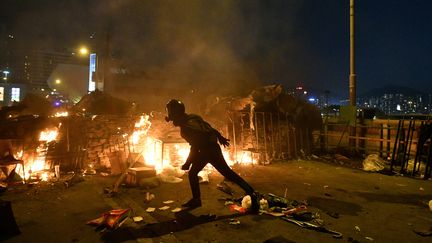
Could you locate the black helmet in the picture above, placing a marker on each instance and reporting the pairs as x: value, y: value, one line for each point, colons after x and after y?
x: 175, y: 109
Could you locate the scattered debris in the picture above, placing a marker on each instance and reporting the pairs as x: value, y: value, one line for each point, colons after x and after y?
x: 307, y: 184
x: 374, y: 163
x: 229, y: 203
x: 138, y: 219
x: 430, y: 205
x: 237, y: 208
x: 164, y: 208
x: 263, y: 204
x: 234, y: 221
x: 369, y: 238
x: 357, y: 228
x: 72, y: 179
x: 225, y: 188
x: 168, y: 201
x: 171, y: 174
x: 203, y: 177
x: 135, y: 175
x: 246, y: 202
x: 150, y: 209
x: 149, y: 196
x: 276, y: 201
x: 421, y: 189
x: 303, y: 216
x: 308, y: 225
x: 176, y: 210
x: 295, y: 210
x: 275, y: 214
x: 111, y: 219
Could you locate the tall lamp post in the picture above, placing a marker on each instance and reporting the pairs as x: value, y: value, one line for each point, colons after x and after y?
x: 352, y: 76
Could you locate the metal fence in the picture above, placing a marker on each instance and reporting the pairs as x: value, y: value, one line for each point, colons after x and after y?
x: 394, y: 140
x: 271, y: 136
x: 267, y: 135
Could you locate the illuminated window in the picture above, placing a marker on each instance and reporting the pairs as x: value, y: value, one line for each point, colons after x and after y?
x: 1, y: 93
x: 15, y: 94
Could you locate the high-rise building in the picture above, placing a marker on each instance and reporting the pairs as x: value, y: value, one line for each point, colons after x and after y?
x: 29, y: 70
x: 33, y: 67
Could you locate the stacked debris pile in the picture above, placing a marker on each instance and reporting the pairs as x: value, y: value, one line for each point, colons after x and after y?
x: 268, y: 121
x: 99, y: 103
x: 107, y: 141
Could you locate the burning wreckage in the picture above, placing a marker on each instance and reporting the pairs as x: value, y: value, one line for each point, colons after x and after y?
x: 107, y: 135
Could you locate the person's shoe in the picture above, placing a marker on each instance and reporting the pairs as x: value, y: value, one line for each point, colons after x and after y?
x: 255, y: 206
x: 193, y: 203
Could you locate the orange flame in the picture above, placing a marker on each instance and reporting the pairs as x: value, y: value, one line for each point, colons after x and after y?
x: 61, y: 114
x: 49, y: 135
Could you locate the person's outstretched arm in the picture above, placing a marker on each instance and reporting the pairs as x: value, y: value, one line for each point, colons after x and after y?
x: 222, y: 140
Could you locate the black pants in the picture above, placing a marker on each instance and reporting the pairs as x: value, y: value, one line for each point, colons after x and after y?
x: 212, y: 153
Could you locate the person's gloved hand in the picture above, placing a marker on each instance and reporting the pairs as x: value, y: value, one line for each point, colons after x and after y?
x: 185, y: 166
x: 224, y: 141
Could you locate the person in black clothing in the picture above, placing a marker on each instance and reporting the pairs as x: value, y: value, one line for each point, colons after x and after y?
x: 204, y: 149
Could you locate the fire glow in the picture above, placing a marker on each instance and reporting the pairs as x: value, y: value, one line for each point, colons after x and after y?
x: 61, y: 114
x: 49, y: 135
x: 36, y: 165
x: 160, y: 155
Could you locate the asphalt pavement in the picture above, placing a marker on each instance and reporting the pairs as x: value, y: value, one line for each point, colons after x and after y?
x: 362, y: 206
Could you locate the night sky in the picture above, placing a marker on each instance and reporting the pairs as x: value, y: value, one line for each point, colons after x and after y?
x: 210, y: 44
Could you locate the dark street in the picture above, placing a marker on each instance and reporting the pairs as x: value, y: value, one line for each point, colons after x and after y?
x: 358, y: 204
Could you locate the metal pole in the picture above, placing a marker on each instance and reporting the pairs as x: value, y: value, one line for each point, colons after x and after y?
x: 272, y: 135
x: 234, y: 139
x: 256, y: 131
x: 352, y: 75
x: 381, y: 144
x: 288, y: 136
x: 265, y: 137
x: 279, y: 135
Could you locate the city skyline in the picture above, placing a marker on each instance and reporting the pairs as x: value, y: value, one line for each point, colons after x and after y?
x: 250, y: 42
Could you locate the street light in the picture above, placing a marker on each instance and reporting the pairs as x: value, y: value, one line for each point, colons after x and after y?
x: 94, y: 81
x: 83, y: 51
x: 57, y: 81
